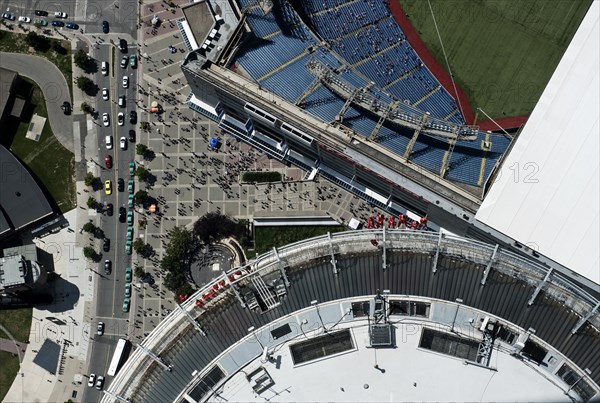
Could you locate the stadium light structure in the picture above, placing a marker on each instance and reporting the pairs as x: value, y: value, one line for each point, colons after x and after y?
x: 458, y: 302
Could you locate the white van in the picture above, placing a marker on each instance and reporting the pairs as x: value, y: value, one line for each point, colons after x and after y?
x: 109, y: 142
x: 104, y: 68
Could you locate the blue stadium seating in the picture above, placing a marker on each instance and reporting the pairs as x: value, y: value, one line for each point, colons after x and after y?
x: 290, y: 89
x: 323, y: 104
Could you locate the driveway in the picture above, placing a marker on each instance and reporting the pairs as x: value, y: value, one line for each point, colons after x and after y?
x: 54, y: 87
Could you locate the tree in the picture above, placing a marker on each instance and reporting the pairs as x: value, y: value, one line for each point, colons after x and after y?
x: 138, y: 271
x: 84, y: 83
x: 86, y: 107
x: 141, y: 149
x: 38, y: 42
x: 145, y: 126
x: 178, y: 257
x: 81, y: 59
x: 89, y: 227
x: 141, y: 197
x: 138, y: 245
x: 89, y: 252
x: 91, y: 203
x: 142, y: 173
x: 213, y: 227
x: 89, y: 179
x: 185, y: 289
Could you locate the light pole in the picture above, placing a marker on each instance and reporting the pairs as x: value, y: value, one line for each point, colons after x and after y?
x: 458, y: 302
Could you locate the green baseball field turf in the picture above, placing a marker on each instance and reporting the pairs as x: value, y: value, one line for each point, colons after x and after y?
x: 502, y: 52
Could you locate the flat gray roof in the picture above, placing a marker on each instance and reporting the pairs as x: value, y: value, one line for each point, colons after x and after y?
x: 21, y: 200
x: 12, y: 271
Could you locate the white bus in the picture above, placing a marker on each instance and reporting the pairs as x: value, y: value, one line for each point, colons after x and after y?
x: 117, y: 357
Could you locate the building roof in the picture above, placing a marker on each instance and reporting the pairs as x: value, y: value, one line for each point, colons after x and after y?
x: 7, y: 79
x: 547, y: 195
x: 22, y: 201
x: 12, y: 271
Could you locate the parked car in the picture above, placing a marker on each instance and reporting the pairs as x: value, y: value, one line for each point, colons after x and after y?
x: 66, y: 108
x: 128, y: 247
x: 132, y: 136
x: 100, y: 329
x: 105, y: 119
x: 133, y: 61
x: 105, y: 94
x: 104, y: 68
x: 120, y: 118
x: 108, y: 141
x: 72, y: 25
x: 108, y: 161
x: 130, y: 218
x: 60, y: 14
x: 125, y: 81
x: 108, y: 187
x: 8, y: 16
x: 109, y: 209
x: 56, y: 23
x: 130, y: 186
x: 106, y: 244
x: 127, y: 290
x: 122, y: 101
x: 124, y: 62
x: 100, y: 382
x: 24, y: 19
x: 107, y: 267
x: 131, y: 168
x: 128, y: 275
x: 126, y: 305
x: 123, y: 143
x: 133, y: 117
x: 105, y: 27
x: 91, y: 380
x: 122, y: 212
x: 130, y: 201
x: 40, y: 22
x: 123, y: 45
x: 130, y: 233
x: 120, y: 185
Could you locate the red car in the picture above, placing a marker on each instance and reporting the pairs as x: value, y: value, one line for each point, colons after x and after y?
x: 108, y: 161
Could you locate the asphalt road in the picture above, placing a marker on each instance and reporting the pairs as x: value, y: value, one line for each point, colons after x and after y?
x: 110, y: 290
x: 54, y: 87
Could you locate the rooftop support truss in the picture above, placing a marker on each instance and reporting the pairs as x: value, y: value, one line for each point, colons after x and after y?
x: 539, y: 288
x: 282, y: 264
x: 155, y: 358
x: 489, y: 265
x: 446, y: 164
x: 484, y: 351
x: 382, y: 119
x: 437, y: 252
x: 585, y: 318
x: 332, y: 254
x: 340, y: 116
x: 413, y: 140
x: 191, y: 319
x: 263, y: 291
x: 307, y: 91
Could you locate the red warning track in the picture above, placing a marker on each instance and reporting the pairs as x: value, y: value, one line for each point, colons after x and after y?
x: 443, y: 77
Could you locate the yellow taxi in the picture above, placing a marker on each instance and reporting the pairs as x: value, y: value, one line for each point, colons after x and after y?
x: 108, y: 187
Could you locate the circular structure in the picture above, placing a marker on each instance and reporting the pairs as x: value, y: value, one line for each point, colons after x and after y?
x: 422, y: 316
x: 214, y: 260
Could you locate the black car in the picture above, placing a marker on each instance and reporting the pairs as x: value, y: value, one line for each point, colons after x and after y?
x: 107, y: 267
x: 66, y: 107
x: 123, y: 45
x: 132, y: 136
x: 120, y: 185
x: 133, y: 117
x: 122, y: 213
x: 105, y: 27
x: 57, y: 23
x: 109, y: 209
x: 106, y: 246
x: 41, y: 13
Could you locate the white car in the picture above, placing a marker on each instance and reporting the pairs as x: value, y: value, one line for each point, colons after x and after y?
x: 105, y: 94
x: 125, y: 81
x: 123, y: 143
x: 91, y: 380
x: 24, y: 19
x: 100, y: 329
x: 121, y: 118
x: 100, y: 382
x: 108, y: 141
x: 59, y: 14
x: 105, y: 119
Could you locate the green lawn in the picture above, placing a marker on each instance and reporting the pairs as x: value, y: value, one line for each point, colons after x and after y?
x: 50, y: 162
x: 8, y: 371
x: 265, y: 238
x: 17, y: 322
x: 13, y: 42
x: 501, y: 52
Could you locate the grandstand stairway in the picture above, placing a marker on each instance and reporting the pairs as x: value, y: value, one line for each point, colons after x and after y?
x: 416, y: 104
x: 402, y: 76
